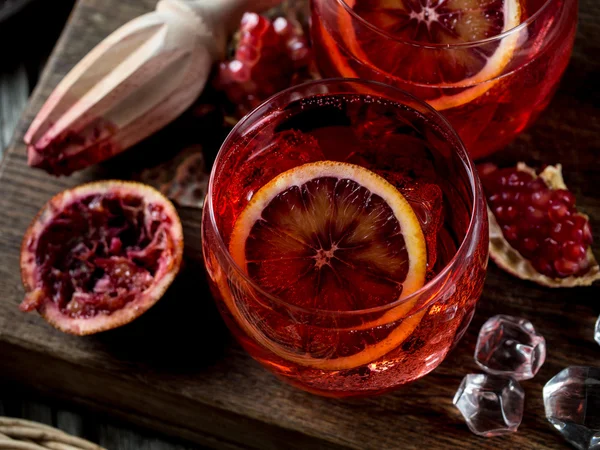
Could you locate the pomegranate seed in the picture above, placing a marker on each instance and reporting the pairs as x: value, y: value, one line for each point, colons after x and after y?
x: 575, y: 230
x: 516, y: 179
x: 530, y: 244
x: 511, y: 213
x: 521, y: 200
x: 550, y: 249
x: 558, y: 212
x: 540, y: 199
x: 563, y: 196
x: 535, y: 214
x: 510, y: 232
x: 556, y: 231
x: 526, y: 228
x: 569, y: 231
x: 537, y: 185
x: 486, y: 169
x: 494, y: 199
x: 573, y: 251
x: 576, y: 235
x: 249, y: 21
x: 541, y: 223
x: 541, y: 230
x: 508, y: 197
x: 503, y: 180
x: 542, y: 266
x: 281, y: 25
x: 579, y: 221
x: 247, y: 53
x: 505, y: 213
x: 565, y: 268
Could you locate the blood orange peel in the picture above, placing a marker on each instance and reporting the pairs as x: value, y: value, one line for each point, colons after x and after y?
x: 99, y: 255
x: 333, y: 237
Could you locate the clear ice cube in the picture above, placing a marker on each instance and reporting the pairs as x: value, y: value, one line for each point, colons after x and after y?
x: 427, y: 201
x: 491, y: 405
x: 510, y: 346
x: 597, y: 331
x: 572, y: 403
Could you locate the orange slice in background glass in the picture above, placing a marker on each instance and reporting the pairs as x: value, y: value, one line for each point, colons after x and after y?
x: 333, y: 236
x: 445, y: 77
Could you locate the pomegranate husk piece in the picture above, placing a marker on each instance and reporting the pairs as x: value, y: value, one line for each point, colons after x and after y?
x: 510, y: 260
x: 189, y: 185
x: 38, y: 296
x: 183, y: 179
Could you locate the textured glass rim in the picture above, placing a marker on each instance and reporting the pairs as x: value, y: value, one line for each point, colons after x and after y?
x: 468, y: 44
x: 464, y: 249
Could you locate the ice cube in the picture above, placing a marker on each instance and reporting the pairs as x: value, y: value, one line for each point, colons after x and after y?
x: 283, y: 151
x: 390, y: 139
x: 404, y: 154
x: 491, y: 405
x: 425, y: 198
x: 427, y: 202
x: 572, y: 404
x: 262, y: 159
x: 510, y: 346
x: 373, y: 121
x: 597, y: 331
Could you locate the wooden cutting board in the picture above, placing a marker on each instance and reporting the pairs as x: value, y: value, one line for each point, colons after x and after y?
x: 176, y: 369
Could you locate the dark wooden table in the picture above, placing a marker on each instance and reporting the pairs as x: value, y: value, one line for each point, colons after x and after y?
x: 421, y: 416
x: 20, y: 66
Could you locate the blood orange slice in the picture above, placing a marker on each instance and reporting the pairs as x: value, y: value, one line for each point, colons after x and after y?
x: 333, y: 236
x: 444, y: 76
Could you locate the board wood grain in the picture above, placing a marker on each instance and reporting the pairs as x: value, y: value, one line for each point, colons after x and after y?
x: 177, y: 370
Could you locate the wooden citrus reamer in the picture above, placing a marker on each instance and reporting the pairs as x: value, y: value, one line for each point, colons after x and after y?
x: 133, y: 83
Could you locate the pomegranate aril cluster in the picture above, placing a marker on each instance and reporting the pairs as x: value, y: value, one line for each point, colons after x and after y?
x: 540, y: 223
x: 270, y: 56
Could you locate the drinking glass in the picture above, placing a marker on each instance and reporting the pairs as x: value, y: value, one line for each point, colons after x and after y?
x: 367, y: 349
x: 487, y: 104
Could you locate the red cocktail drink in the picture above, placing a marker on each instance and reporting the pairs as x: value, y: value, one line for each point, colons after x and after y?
x: 490, y: 66
x: 345, y: 236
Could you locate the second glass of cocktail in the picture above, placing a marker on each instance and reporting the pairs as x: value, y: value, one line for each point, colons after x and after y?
x: 490, y: 66
x: 345, y: 236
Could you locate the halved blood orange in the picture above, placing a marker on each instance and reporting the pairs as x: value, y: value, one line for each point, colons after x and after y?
x: 333, y: 236
x: 445, y: 77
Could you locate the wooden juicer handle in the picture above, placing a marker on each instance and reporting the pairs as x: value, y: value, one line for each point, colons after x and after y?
x: 133, y: 83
